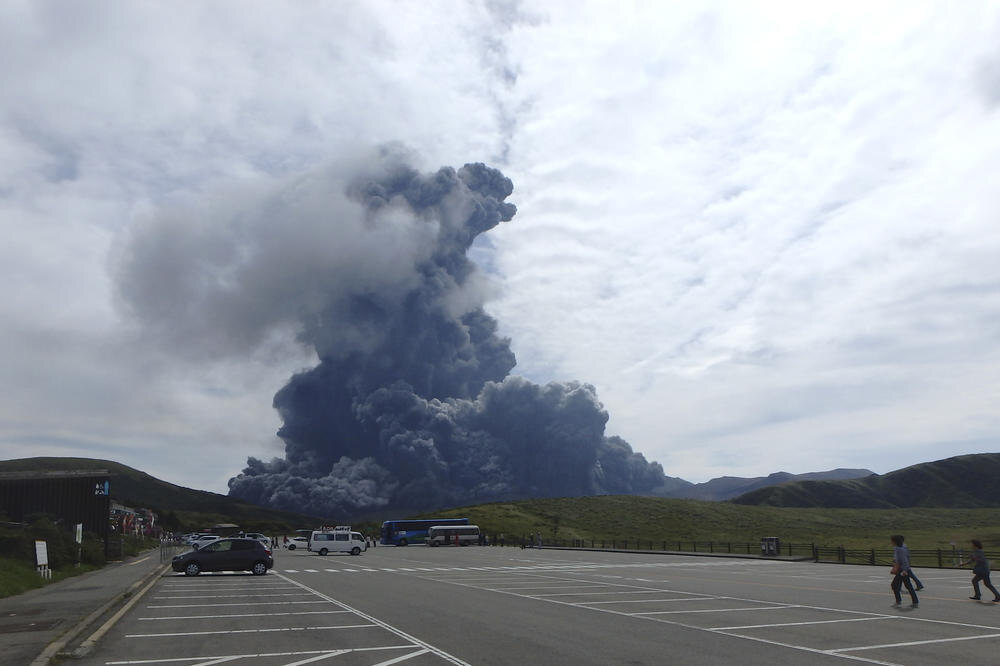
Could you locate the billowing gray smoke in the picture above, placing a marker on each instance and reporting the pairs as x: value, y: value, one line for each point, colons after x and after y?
x: 411, y: 406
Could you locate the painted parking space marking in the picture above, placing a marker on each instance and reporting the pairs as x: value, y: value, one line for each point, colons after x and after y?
x: 249, y: 631
x: 351, y: 623
x: 799, y: 624
x: 715, y: 610
x: 636, y: 601
x: 246, y: 594
x: 242, y: 605
x: 438, y: 652
x: 228, y: 615
x: 887, y: 646
x: 679, y: 617
x: 218, y: 659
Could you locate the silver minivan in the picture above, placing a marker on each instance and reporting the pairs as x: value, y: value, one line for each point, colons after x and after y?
x: 337, y: 541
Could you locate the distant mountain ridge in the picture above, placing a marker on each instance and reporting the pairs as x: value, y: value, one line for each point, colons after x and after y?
x: 728, y: 487
x: 967, y: 481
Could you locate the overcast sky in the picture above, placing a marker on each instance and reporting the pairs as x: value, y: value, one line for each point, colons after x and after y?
x: 766, y: 233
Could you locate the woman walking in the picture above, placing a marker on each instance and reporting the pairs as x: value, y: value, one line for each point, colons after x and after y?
x: 980, y: 571
x: 900, y: 570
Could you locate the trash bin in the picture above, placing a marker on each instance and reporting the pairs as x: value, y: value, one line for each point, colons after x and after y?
x: 770, y: 546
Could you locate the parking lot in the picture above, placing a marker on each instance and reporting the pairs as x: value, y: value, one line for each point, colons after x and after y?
x: 500, y: 605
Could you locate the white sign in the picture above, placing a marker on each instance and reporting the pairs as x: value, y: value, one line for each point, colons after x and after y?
x: 41, y: 554
x: 79, y: 532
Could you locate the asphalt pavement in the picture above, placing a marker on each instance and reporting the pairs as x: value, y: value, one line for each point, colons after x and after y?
x: 41, y: 623
x: 506, y: 605
x: 502, y: 605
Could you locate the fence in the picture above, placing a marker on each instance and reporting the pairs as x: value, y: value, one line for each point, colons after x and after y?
x: 929, y: 558
x: 170, y: 548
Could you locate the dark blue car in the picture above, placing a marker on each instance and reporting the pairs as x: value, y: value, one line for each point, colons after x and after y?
x: 226, y: 555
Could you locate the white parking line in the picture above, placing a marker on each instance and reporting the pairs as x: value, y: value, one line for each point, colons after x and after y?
x: 243, y: 605
x: 657, y: 617
x: 249, y: 631
x: 212, y: 617
x: 635, y: 601
x: 231, y: 657
x: 716, y: 610
x: 799, y: 624
x: 554, y: 587
x: 402, y: 634
x: 912, y: 643
x: 310, y: 660
x: 403, y: 658
x: 233, y: 596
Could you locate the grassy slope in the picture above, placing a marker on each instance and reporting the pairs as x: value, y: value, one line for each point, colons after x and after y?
x: 671, y: 520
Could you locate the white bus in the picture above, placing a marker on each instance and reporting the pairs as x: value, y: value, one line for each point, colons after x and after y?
x: 446, y: 535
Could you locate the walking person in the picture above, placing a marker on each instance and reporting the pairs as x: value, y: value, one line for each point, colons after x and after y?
x: 900, y: 571
x: 980, y: 571
x: 909, y: 569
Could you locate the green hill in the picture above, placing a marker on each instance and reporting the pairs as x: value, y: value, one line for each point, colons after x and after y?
x: 967, y: 481
x: 189, y: 509
x: 661, y: 520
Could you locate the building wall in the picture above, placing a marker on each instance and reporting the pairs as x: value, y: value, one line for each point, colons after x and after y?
x: 71, y: 499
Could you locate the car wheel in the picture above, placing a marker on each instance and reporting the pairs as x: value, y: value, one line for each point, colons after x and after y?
x: 323, y: 551
x: 259, y: 568
x: 355, y: 551
x: 402, y: 542
x: 192, y: 569
x: 291, y: 547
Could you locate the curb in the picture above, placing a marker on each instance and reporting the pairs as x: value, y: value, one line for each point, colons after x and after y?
x: 57, y: 647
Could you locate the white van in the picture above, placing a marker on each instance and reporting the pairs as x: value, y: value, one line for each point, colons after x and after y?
x: 338, y: 540
x: 448, y: 535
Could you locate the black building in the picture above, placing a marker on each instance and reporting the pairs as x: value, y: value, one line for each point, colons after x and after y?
x: 71, y: 496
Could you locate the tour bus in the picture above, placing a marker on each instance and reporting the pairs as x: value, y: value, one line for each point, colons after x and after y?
x: 404, y: 532
x: 449, y: 535
x: 338, y: 540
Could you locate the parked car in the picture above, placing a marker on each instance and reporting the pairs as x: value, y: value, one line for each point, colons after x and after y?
x: 298, y: 542
x: 266, y: 540
x: 231, y: 554
x: 202, y: 539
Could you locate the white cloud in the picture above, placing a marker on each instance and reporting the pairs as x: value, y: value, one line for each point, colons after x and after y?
x: 764, y: 232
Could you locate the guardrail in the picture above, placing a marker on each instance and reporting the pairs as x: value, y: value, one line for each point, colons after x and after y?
x: 940, y: 558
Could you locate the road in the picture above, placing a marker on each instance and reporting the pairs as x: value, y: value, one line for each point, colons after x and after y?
x: 475, y: 605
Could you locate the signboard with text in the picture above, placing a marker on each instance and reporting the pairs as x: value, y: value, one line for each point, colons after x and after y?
x: 41, y: 554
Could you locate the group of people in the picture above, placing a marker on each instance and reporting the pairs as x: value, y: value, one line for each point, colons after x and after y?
x: 903, y: 573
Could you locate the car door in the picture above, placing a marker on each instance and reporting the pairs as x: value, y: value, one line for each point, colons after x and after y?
x: 244, y: 553
x: 217, y: 556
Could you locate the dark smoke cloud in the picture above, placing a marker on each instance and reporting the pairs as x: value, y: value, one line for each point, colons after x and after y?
x: 412, y: 405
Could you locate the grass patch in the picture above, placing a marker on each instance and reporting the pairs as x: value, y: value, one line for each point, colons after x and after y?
x: 649, y: 518
x: 17, y: 576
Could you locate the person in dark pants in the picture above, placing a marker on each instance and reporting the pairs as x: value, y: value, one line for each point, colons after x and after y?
x: 900, y: 570
x: 980, y: 571
x: 909, y: 570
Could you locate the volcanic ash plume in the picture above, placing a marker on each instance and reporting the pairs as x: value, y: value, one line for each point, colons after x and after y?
x: 411, y: 406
